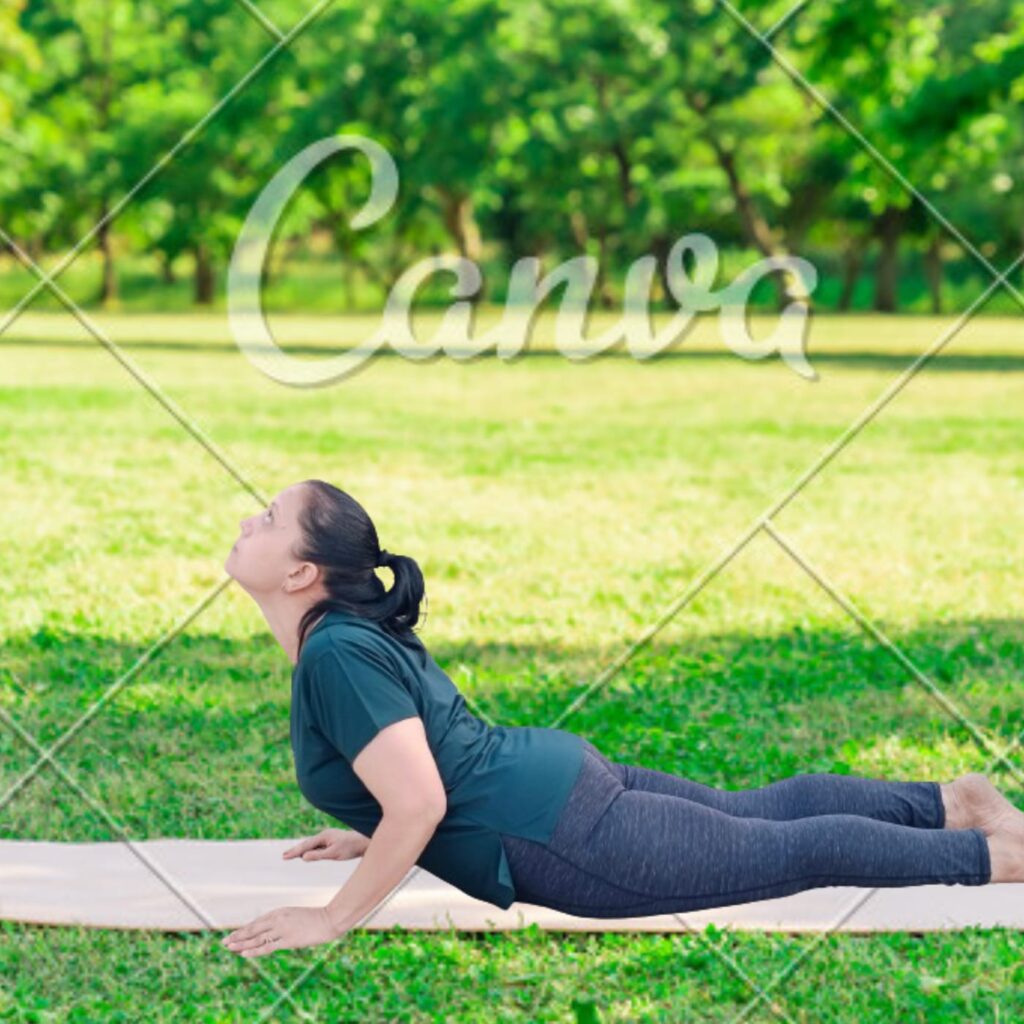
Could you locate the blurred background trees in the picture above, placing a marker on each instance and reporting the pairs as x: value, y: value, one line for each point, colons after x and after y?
x: 547, y: 128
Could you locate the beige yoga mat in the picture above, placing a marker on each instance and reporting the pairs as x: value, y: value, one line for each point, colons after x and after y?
x: 191, y: 885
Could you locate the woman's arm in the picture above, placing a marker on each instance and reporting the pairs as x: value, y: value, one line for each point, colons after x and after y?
x: 398, y: 768
x: 395, y: 847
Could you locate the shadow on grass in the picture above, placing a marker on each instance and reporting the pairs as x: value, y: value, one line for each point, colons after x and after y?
x: 201, y: 741
x: 963, y: 362
x: 198, y: 744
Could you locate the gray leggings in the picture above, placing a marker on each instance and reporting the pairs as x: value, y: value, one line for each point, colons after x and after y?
x: 633, y: 841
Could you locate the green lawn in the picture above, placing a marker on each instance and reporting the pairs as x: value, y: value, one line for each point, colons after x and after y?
x: 557, y: 510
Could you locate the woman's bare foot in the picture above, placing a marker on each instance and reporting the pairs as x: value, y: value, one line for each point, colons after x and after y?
x: 1006, y: 850
x: 971, y: 801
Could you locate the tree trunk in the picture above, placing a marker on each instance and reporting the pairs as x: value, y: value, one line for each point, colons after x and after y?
x: 167, y: 275
x: 604, y: 293
x: 889, y: 227
x: 460, y: 223
x: 580, y: 229
x: 660, y: 248
x: 625, y: 169
x: 756, y: 227
x: 618, y: 147
x: 203, y: 280
x: 108, y: 283
x: 933, y: 272
x: 853, y: 260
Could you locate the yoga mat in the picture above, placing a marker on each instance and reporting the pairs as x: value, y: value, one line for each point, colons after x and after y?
x: 222, y: 884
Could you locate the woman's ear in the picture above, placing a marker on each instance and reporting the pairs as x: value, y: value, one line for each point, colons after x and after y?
x: 303, y: 575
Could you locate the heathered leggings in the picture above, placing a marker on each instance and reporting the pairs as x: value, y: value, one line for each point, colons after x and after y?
x: 633, y: 841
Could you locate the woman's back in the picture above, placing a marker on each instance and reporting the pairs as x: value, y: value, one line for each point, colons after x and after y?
x: 353, y: 679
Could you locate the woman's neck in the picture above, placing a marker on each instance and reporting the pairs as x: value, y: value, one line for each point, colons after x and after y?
x: 283, y: 620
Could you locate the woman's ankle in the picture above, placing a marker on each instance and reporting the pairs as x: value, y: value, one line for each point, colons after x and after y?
x: 957, y: 810
x: 1006, y: 856
x: 971, y: 801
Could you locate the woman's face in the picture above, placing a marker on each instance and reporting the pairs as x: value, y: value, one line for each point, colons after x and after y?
x: 261, y: 559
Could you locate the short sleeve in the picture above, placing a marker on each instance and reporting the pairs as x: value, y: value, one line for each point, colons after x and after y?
x: 353, y: 693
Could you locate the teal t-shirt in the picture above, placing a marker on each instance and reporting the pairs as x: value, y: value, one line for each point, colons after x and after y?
x: 353, y: 679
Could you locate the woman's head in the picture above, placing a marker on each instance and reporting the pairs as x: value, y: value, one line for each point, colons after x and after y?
x: 316, y: 542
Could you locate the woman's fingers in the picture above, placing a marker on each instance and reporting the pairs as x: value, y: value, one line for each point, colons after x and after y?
x: 249, y: 938
x: 247, y: 931
x: 325, y: 845
x: 300, y: 848
x: 317, y: 853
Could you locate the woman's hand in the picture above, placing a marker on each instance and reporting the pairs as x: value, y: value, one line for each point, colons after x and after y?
x: 331, y: 844
x: 284, y: 928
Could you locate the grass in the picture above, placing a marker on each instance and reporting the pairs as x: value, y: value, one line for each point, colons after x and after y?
x: 557, y: 510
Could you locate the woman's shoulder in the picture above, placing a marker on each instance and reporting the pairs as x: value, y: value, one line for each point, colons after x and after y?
x: 348, y: 636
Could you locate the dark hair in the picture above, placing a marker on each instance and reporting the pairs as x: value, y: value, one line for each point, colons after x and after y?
x: 340, y: 537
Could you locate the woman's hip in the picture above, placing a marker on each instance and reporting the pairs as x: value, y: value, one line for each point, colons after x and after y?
x: 537, y: 867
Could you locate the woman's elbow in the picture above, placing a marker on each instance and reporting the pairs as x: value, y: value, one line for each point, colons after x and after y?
x: 428, y: 810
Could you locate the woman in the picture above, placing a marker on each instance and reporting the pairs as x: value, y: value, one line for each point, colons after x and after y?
x: 383, y: 742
